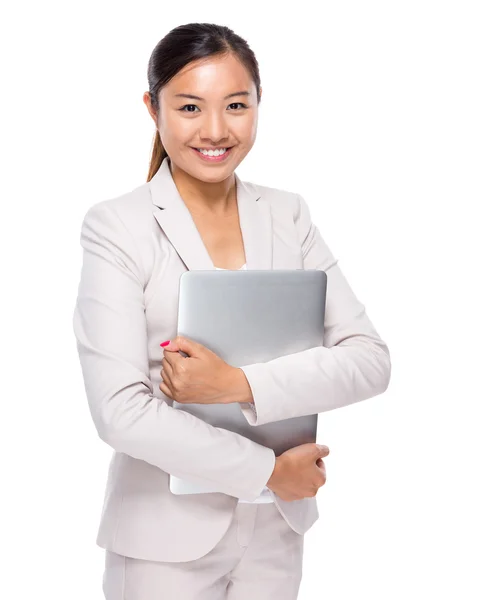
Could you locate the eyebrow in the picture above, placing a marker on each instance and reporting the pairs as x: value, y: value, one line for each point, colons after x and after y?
x: 244, y: 93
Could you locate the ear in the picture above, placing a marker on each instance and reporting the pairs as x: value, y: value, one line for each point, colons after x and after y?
x: 146, y: 98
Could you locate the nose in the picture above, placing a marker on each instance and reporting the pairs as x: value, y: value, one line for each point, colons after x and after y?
x: 213, y: 128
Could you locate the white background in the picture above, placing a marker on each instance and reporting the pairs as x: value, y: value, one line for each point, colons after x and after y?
x: 371, y: 106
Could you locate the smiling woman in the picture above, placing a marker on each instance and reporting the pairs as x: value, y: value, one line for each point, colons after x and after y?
x: 203, y: 97
x: 207, y: 138
x: 245, y: 539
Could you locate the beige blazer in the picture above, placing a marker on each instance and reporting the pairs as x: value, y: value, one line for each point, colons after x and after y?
x: 135, y: 247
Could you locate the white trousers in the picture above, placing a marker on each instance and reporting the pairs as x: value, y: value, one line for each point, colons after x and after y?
x: 259, y: 558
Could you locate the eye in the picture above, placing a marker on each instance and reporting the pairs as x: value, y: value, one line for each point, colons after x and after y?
x: 183, y: 108
x: 186, y: 105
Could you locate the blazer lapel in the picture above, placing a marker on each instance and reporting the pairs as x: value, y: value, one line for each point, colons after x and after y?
x: 176, y: 221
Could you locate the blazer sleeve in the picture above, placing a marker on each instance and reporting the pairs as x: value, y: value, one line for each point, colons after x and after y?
x: 111, y: 336
x: 352, y: 365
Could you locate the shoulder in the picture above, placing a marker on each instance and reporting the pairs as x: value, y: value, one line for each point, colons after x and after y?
x: 281, y: 200
x: 124, y: 223
x: 132, y: 208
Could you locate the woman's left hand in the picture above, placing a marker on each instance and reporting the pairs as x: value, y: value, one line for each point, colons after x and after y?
x: 201, y: 378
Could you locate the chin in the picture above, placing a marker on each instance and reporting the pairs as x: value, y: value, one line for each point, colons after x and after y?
x: 216, y: 177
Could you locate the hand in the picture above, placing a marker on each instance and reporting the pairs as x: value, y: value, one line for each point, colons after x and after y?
x: 299, y: 472
x: 200, y: 378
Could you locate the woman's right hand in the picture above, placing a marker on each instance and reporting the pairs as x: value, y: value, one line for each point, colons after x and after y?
x: 299, y: 472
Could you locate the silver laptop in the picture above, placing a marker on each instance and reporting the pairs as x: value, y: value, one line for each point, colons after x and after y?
x: 250, y: 317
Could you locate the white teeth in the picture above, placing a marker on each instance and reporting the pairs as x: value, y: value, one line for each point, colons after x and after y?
x: 213, y: 152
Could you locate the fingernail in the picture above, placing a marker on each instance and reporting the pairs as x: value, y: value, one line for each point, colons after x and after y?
x: 165, y: 343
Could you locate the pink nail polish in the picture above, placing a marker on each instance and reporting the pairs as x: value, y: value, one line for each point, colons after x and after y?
x: 165, y: 343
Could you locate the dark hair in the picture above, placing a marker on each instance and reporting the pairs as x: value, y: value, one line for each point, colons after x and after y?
x: 183, y: 45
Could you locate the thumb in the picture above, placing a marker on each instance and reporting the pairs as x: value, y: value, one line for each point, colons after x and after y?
x: 322, y: 450
x: 185, y: 344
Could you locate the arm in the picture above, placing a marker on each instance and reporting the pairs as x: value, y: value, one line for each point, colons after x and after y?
x: 353, y: 364
x: 111, y: 334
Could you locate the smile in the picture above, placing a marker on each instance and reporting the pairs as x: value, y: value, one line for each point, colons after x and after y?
x: 217, y: 155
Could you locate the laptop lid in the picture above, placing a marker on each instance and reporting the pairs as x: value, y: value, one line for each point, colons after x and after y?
x: 248, y: 317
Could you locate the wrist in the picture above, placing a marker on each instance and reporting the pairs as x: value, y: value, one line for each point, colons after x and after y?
x: 276, y: 473
x: 240, y: 390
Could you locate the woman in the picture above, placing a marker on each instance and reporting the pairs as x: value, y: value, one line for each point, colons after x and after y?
x: 246, y: 540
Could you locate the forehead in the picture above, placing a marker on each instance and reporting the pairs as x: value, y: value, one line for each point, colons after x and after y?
x: 214, y: 76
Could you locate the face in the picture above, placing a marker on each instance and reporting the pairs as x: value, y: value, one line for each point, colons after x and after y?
x: 216, y: 118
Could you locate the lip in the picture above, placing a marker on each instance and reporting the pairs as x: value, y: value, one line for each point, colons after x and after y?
x: 213, y: 159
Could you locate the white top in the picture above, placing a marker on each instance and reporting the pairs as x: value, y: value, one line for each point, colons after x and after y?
x: 265, y: 496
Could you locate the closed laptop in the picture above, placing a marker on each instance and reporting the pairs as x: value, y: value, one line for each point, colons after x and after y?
x: 250, y: 317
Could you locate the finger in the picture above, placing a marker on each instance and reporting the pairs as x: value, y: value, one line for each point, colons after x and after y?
x: 165, y: 390
x: 321, y: 464
x: 172, y: 358
x: 322, y: 450
x: 169, y: 355
x: 168, y: 367
x: 167, y: 377
x: 188, y: 346
x: 171, y: 349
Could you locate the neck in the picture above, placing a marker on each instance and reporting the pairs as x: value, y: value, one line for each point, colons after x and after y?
x: 214, y: 198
